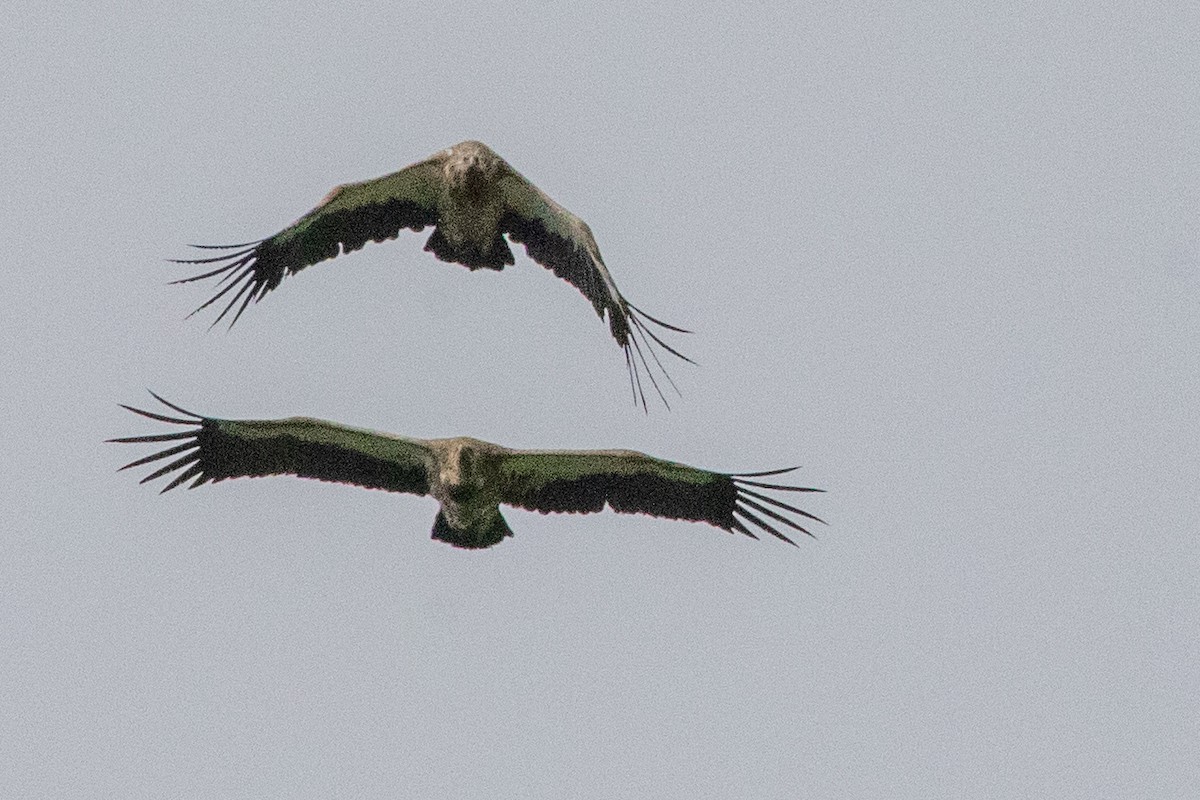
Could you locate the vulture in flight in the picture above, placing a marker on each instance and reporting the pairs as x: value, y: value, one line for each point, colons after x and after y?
x: 472, y: 198
x: 468, y: 477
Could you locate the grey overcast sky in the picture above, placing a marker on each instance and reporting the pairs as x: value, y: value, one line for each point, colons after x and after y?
x: 944, y: 255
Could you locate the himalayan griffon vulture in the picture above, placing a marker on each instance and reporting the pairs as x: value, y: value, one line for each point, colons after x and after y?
x: 468, y: 477
x: 472, y: 198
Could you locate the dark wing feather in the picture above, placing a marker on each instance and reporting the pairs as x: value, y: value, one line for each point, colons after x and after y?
x: 213, y: 450
x: 564, y: 244
x: 349, y: 217
x: 634, y: 483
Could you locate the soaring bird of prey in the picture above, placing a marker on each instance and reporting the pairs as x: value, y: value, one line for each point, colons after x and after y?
x: 472, y: 198
x: 468, y: 477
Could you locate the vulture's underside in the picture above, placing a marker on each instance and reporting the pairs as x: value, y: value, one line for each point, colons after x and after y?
x: 473, y: 199
x: 469, y: 478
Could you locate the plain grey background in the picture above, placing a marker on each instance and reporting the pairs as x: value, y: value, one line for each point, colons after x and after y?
x: 944, y: 255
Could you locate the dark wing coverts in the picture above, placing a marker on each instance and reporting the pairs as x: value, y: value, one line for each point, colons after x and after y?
x: 212, y: 450
x: 634, y: 483
x: 349, y: 217
x: 564, y: 244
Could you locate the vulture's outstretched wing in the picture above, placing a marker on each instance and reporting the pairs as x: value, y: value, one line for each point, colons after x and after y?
x: 634, y: 483
x: 563, y: 243
x: 473, y: 198
x: 350, y: 216
x: 216, y: 449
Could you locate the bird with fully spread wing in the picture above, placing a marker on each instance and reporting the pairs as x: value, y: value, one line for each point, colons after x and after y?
x: 468, y: 477
x: 472, y: 198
